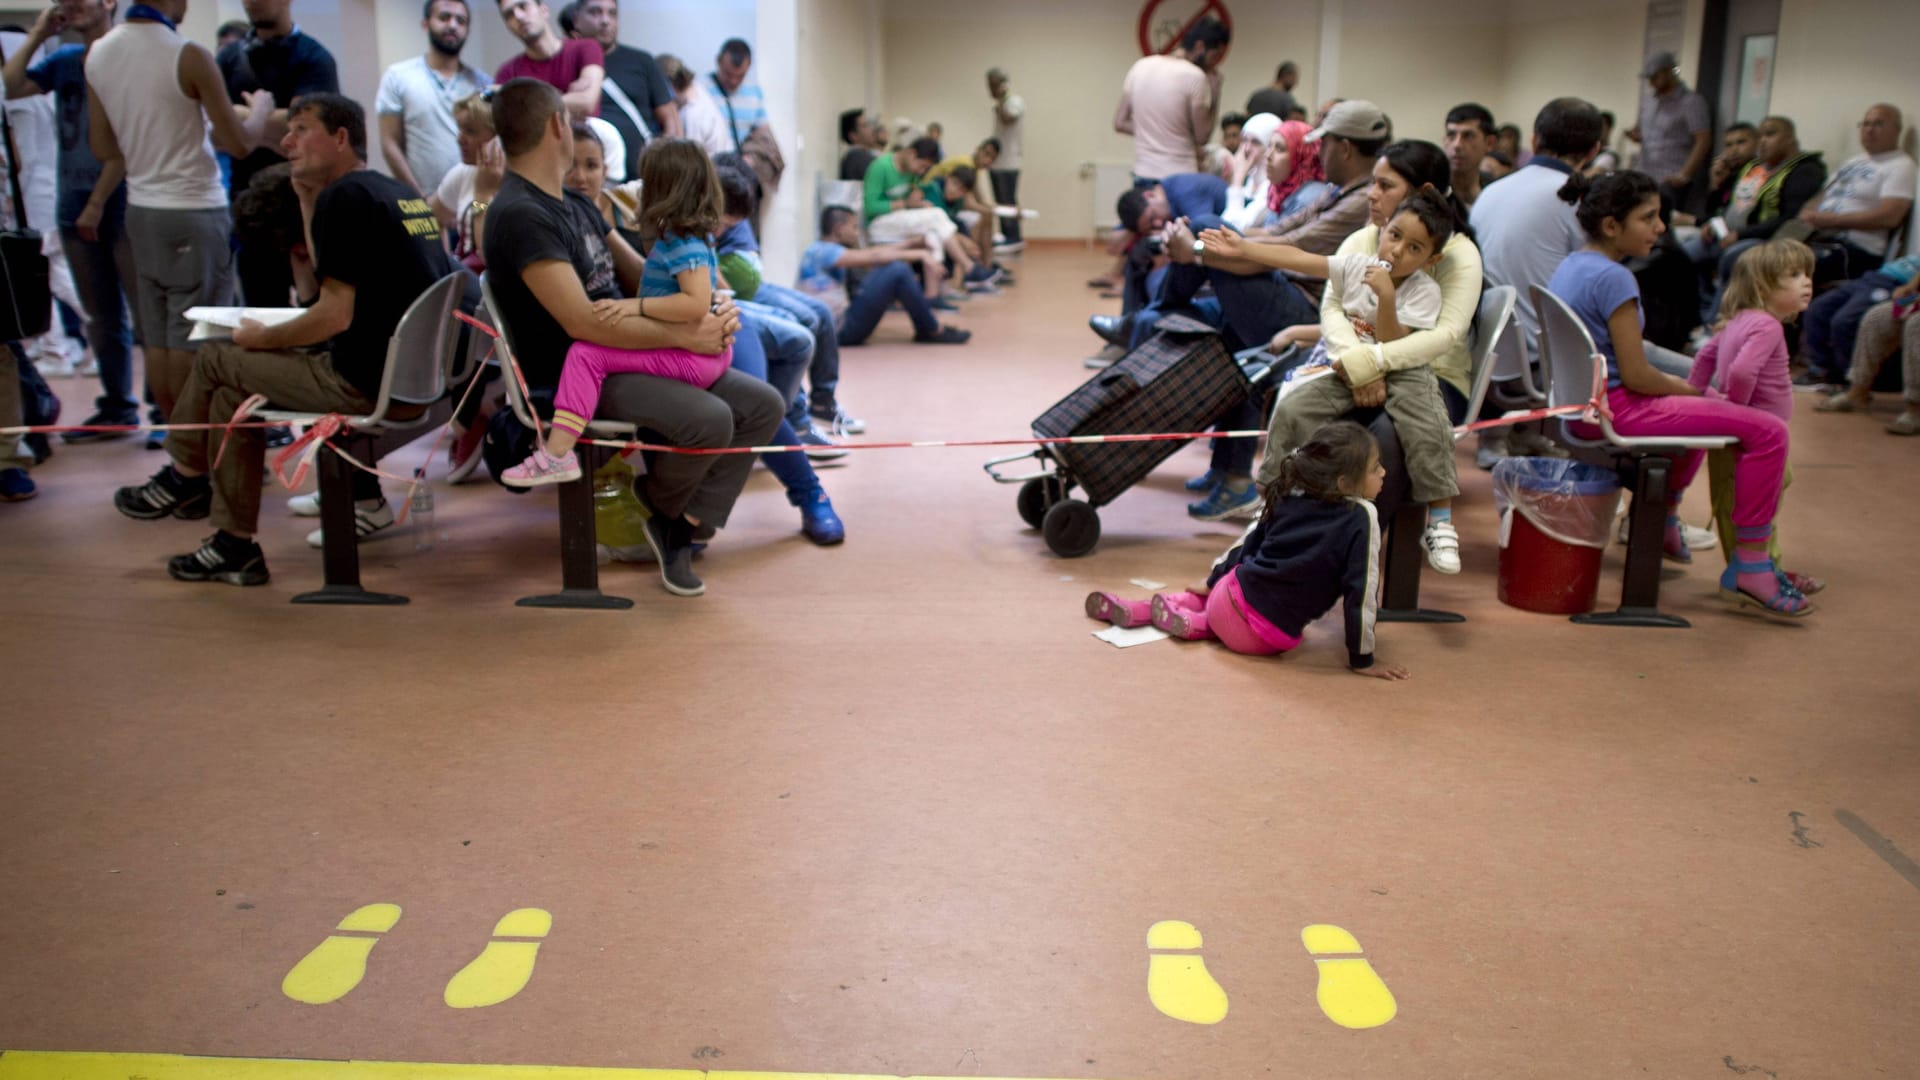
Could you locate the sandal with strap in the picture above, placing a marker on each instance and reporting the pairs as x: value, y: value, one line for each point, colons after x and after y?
x: 1787, y: 601
x: 1673, y: 546
x: 1807, y: 585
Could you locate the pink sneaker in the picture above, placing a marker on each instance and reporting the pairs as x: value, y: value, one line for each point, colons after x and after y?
x: 1171, y: 617
x: 1108, y: 607
x: 541, y: 469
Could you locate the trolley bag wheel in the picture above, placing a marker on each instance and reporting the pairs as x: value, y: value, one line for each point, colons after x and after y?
x: 1071, y: 528
x: 1036, y: 495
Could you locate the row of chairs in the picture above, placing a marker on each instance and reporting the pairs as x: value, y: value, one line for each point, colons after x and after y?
x: 424, y: 359
x: 1569, y: 366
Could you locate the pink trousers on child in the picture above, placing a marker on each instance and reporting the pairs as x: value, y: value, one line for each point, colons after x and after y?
x: 1760, y: 461
x: 589, y: 365
x: 1223, y: 614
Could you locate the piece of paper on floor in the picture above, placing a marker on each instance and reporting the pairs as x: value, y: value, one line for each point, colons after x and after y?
x: 1066, y: 577
x: 1148, y: 584
x: 1123, y: 638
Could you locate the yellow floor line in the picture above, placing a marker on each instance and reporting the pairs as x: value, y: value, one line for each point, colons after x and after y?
x: 64, y: 1065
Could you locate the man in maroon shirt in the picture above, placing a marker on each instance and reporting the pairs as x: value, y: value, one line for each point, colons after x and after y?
x: 576, y: 68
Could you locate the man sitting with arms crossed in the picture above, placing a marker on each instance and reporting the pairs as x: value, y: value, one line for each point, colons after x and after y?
x: 375, y: 248
x: 555, y: 267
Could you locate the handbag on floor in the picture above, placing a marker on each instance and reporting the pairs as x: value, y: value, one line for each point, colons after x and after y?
x: 26, y: 290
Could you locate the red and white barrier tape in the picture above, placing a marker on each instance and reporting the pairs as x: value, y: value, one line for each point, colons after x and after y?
x: 320, y: 433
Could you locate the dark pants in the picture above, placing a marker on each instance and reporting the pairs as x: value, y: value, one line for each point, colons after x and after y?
x: 103, y: 275
x: 738, y: 410
x: 1832, y: 322
x: 882, y: 288
x: 1006, y: 192
x: 1837, y: 260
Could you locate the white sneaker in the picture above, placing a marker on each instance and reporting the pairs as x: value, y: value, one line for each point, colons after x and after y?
x: 1443, y: 547
x: 370, y: 517
x: 1697, y: 538
x: 307, y: 505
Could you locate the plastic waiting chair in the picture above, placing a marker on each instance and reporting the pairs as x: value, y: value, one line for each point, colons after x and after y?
x: 418, y: 356
x: 579, y: 560
x: 1491, y: 327
x: 1644, y: 463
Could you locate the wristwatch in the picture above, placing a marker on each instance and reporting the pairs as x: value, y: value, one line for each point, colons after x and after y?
x: 1199, y: 252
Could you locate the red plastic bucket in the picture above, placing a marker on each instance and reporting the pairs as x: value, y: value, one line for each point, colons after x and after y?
x: 1539, y: 573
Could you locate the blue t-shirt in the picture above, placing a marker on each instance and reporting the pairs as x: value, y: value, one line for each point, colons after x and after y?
x: 673, y: 255
x: 738, y: 239
x: 1595, y: 286
x: 818, y: 274
x: 63, y: 74
x: 1195, y: 195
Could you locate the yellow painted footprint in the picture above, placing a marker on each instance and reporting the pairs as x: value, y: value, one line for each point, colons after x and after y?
x: 503, y: 967
x: 336, y: 965
x: 1351, y: 993
x: 1178, y: 983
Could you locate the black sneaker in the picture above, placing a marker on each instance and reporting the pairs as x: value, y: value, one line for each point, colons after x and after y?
x: 167, y: 494
x: 222, y: 558
x: 672, y: 542
x: 947, y: 335
x: 278, y: 436
x: 100, y: 419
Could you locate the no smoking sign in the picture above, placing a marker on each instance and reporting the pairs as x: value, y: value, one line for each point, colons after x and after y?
x: 1164, y: 22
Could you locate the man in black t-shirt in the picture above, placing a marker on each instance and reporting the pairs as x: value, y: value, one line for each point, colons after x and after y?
x: 635, y: 97
x: 554, y: 265
x: 376, y: 246
x: 278, y: 58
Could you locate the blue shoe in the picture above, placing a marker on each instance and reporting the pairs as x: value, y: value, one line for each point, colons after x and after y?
x: 1205, y: 482
x: 817, y: 519
x: 16, y: 486
x: 1223, y: 503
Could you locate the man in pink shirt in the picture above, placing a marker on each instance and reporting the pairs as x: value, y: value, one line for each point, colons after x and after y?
x: 576, y: 68
x: 1168, y: 104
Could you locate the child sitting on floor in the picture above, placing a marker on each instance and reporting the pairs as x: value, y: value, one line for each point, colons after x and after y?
x: 681, y: 206
x: 1747, y: 360
x: 1387, y: 296
x: 1317, y: 542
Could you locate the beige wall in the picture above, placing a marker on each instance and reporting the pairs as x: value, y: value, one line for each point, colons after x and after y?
x: 1066, y: 59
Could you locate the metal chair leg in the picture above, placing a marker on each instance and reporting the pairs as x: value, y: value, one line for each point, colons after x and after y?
x: 579, y: 562
x: 1646, y: 533
x: 340, y: 549
x: 1405, y: 553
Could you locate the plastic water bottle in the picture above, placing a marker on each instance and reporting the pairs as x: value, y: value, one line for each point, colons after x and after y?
x: 421, y: 510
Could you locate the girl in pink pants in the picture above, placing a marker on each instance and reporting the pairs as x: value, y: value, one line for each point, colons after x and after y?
x: 1621, y: 215
x: 1317, y: 545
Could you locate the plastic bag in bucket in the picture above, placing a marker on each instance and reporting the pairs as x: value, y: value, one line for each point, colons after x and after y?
x: 619, y: 521
x: 1570, y: 501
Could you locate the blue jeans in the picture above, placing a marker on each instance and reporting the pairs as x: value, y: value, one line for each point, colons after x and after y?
x: 1255, y: 306
x: 884, y: 285
x: 764, y: 350
x: 103, y: 276
x: 1832, y: 322
x: 823, y: 374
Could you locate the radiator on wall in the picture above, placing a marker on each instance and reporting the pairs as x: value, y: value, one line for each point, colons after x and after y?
x: 1104, y: 182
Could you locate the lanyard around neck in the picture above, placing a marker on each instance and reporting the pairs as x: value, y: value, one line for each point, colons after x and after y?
x: 147, y: 11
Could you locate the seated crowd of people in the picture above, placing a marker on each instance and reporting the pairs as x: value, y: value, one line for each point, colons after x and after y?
x: 608, y: 197
x: 1359, y: 262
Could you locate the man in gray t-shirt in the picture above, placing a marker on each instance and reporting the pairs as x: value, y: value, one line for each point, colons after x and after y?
x: 1675, y: 131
